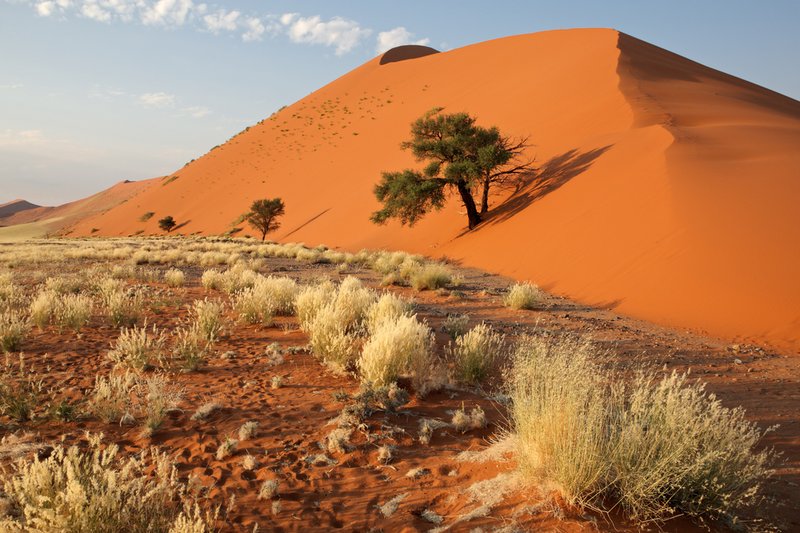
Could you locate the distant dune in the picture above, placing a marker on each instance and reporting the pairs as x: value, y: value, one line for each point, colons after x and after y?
x: 666, y: 189
x: 38, y: 221
x: 14, y: 206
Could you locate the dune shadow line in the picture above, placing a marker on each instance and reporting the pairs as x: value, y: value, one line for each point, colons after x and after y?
x: 537, y: 184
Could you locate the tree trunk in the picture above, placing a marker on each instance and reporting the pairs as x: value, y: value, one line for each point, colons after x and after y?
x: 485, y: 196
x: 472, y: 211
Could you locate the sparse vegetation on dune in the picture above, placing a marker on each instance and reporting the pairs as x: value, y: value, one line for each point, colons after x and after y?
x: 523, y: 296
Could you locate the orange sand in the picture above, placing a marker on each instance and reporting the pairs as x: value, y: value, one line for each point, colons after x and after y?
x: 669, y: 189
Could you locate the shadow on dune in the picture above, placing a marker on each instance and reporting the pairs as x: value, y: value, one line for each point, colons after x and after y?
x: 538, y: 184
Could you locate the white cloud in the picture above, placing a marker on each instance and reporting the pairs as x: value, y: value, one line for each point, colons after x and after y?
x: 397, y: 37
x: 167, y: 12
x: 11, y: 86
x: 157, y: 100
x: 340, y: 33
x: 254, y: 30
x: 93, y: 10
x: 221, y: 20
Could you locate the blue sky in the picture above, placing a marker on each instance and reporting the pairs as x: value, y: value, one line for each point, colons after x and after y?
x: 96, y: 91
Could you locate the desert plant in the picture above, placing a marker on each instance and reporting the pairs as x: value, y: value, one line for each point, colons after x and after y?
x: 248, y: 430
x: 460, y: 156
x: 310, y: 299
x: 523, y: 296
x: 430, y: 276
x: 253, y: 305
x: 269, y: 489
x: 396, y: 348
x: 112, y: 397
x: 13, y: 329
x: 456, y: 325
x: 656, y: 447
x: 43, y: 308
x: 167, y: 223
x: 157, y: 396
x: 207, y: 315
x: 124, y: 308
x: 20, y: 391
x: 73, y: 311
x: 463, y: 421
x: 226, y: 448
x: 474, y: 353
x: 137, y: 348
x: 388, y: 307
x: 191, y: 348
x: 174, y: 277
x: 94, y: 490
x: 264, y: 213
x: 206, y: 410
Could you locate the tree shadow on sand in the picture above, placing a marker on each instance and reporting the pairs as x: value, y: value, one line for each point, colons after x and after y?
x: 538, y: 184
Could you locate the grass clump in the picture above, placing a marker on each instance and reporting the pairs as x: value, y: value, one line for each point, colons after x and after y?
x: 43, y: 308
x: 94, y: 490
x: 73, y: 311
x: 174, y: 277
x: 14, y: 327
x: 388, y: 307
x: 138, y: 348
x: 191, y: 348
x: 523, y: 296
x: 124, y: 308
x: 430, y: 276
x: 396, y: 348
x: 207, y: 316
x: 474, y: 353
x: 112, y: 398
x: 20, y: 391
x: 456, y: 325
x: 655, y: 448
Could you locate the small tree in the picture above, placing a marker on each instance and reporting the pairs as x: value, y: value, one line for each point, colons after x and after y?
x: 460, y: 156
x: 264, y: 213
x: 167, y: 223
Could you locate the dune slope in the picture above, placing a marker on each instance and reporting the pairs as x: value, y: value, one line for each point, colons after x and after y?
x: 665, y: 188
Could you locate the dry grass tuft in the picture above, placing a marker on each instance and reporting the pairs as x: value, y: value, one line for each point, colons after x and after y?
x: 523, y: 296
x: 206, y: 410
x: 95, y: 490
x: 227, y: 448
x: 207, y: 316
x: 248, y: 430
x: 269, y: 489
x: 474, y: 353
x: 13, y: 330
x: 174, y: 277
x: 397, y: 347
x: 137, y: 348
x: 657, y: 447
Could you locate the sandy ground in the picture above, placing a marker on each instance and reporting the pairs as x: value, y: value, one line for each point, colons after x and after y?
x: 657, y: 177
x: 346, y: 491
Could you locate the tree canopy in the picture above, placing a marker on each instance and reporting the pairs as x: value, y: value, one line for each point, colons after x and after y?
x: 460, y: 157
x: 167, y: 223
x: 264, y: 213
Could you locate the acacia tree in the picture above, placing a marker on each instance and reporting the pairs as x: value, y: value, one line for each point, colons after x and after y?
x: 264, y: 213
x: 460, y: 156
x: 167, y: 223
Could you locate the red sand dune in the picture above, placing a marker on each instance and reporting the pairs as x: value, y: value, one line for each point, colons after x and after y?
x: 668, y: 190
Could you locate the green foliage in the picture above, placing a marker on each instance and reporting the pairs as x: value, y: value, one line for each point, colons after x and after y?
x: 264, y: 213
x: 460, y: 156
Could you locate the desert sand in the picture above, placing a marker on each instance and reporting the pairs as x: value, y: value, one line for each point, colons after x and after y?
x: 666, y: 190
